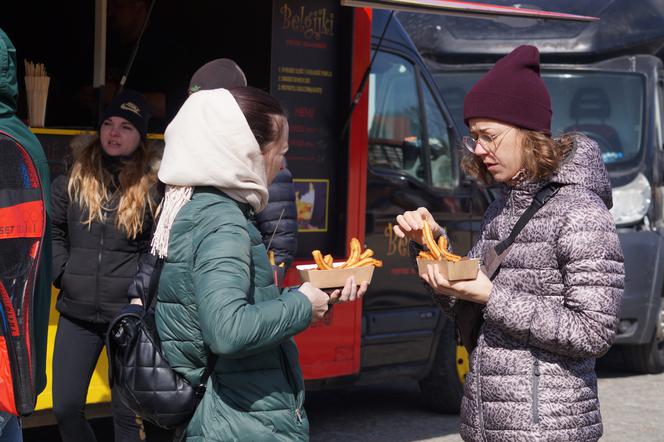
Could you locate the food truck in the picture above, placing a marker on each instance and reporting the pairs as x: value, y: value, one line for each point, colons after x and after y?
x: 370, y: 136
x: 605, y: 80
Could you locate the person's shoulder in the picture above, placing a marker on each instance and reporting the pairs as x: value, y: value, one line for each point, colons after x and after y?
x: 284, y: 176
x: 212, y: 212
x: 582, y: 209
x: 577, y: 197
x: 60, y: 182
x: 216, y: 206
x: 59, y: 191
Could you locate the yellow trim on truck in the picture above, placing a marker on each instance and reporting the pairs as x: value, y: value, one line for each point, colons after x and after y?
x: 74, y: 132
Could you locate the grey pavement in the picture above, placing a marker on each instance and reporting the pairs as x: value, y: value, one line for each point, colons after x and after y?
x: 632, y: 408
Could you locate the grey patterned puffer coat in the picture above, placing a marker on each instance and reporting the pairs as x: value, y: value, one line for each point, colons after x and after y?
x: 552, y: 311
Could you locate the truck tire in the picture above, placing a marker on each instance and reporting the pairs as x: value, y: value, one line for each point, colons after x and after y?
x: 442, y: 388
x: 648, y: 358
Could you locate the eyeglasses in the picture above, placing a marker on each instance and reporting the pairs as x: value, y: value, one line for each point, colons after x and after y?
x: 488, y: 142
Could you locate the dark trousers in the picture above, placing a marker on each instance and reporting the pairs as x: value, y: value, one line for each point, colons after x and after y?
x: 77, y: 348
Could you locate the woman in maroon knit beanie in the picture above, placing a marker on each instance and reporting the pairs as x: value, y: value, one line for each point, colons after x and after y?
x: 552, y: 307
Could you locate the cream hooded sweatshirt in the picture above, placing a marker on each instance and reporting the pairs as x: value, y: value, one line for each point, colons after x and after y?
x: 209, y: 143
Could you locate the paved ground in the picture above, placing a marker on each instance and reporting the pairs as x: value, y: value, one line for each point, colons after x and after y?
x: 632, y: 407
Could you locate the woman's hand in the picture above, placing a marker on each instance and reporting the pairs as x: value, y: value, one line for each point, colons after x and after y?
x: 319, y: 301
x: 350, y: 292
x: 136, y: 301
x: 477, y: 290
x: 410, y: 225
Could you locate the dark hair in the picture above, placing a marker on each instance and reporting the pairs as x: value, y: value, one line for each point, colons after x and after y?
x: 260, y: 109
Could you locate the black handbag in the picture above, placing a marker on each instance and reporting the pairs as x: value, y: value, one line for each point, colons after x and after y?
x: 469, y: 316
x: 138, y: 370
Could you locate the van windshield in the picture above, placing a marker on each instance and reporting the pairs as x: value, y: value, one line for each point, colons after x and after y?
x: 605, y: 106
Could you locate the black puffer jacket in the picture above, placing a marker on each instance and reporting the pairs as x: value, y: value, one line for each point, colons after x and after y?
x: 93, y: 266
x: 282, y: 197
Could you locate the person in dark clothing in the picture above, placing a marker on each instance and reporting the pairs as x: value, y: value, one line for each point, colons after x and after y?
x: 278, y: 221
x: 14, y: 134
x: 103, y: 216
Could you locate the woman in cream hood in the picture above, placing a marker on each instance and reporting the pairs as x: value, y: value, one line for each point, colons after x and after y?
x: 217, y: 294
x: 210, y: 143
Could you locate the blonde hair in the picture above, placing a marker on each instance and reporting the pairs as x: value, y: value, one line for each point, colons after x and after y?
x: 90, y: 186
x: 542, y: 156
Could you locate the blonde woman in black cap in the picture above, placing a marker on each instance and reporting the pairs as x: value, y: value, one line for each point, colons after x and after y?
x: 102, y: 219
x: 535, y: 325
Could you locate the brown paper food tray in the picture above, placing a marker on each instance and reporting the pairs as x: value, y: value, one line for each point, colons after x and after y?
x: 327, y: 279
x: 453, y: 271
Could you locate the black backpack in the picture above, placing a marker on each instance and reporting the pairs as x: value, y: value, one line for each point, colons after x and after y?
x: 138, y: 370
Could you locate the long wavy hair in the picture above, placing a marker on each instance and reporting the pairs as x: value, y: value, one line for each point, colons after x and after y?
x: 542, y: 156
x: 94, y: 189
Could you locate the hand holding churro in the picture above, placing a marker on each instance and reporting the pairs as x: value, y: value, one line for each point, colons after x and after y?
x: 411, y: 224
x: 419, y: 226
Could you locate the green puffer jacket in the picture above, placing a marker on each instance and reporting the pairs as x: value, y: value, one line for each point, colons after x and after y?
x: 216, y: 292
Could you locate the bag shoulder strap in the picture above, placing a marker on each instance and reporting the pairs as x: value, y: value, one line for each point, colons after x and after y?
x: 498, y: 253
x: 154, y: 284
x: 540, y: 198
x: 212, y: 360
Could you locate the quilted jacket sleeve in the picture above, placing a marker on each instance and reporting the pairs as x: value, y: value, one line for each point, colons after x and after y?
x: 591, y: 263
x: 231, y: 325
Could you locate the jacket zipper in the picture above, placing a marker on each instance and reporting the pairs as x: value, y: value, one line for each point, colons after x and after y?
x: 478, y: 380
x: 535, y: 391
x: 97, y: 279
x: 286, y: 368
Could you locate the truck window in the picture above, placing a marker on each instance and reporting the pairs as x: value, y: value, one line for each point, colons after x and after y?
x: 607, y: 107
x: 439, y: 142
x: 454, y: 85
x: 394, y: 118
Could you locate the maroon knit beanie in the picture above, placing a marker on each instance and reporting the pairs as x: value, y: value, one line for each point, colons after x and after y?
x: 512, y: 92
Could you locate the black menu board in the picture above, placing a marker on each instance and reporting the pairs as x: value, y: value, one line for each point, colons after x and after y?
x: 310, y: 76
